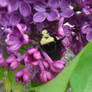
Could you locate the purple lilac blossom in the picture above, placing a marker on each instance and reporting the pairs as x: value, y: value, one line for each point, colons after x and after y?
x: 23, y: 75
x: 87, y: 6
x: 35, y: 59
x: 63, y: 8
x: 12, y: 62
x: 87, y: 29
x: 16, y: 38
x: 44, y: 10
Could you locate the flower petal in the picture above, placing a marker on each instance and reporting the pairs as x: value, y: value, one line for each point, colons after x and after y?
x: 4, y: 20
x: 39, y: 17
x: 89, y: 36
x: 3, y: 3
x: 25, y: 9
x: 14, y: 18
x: 67, y: 12
x: 39, y: 6
x: 13, y: 5
x: 52, y: 16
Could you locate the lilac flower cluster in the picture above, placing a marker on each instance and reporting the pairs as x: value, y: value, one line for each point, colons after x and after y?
x: 21, y: 25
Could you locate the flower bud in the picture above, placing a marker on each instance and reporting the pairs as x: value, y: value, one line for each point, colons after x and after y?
x: 31, y: 51
x: 45, y: 76
x: 23, y: 75
x: 18, y: 75
x: 57, y: 66
x: 12, y: 62
x: 37, y: 55
x: 46, y: 65
x: 14, y: 65
x: 33, y: 57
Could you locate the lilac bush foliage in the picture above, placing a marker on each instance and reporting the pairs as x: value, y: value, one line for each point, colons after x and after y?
x: 21, y: 25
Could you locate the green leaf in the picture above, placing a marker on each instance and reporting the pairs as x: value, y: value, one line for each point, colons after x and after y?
x: 81, y: 80
x: 4, y: 53
x: 7, y: 84
x: 34, y: 84
x: 24, y: 48
x: 59, y: 84
x: 15, y: 86
x: 3, y: 72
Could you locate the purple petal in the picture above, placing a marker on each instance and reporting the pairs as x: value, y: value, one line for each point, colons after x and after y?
x: 60, y: 28
x: 14, y: 18
x: 25, y: 9
x: 86, y: 11
x: 65, y: 3
x: 39, y: 17
x: 89, y: 36
x: 53, y: 4
x: 3, y: 3
x: 4, y: 20
x: 86, y: 28
x: 13, y: 5
x: 53, y: 15
x: 67, y: 12
x: 39, y: 7
x: 14, y: 47
x: 14, y: 37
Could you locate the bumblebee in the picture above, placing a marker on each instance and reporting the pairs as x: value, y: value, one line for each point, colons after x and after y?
x: 51, y: 45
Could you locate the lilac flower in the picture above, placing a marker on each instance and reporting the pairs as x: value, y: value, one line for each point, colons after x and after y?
x: 44, y: 10
x: 16, y: 38
x: 12, y: 62
x: 23, y: 75
x: 87, y: 29
x: 63, y: 8
x: 87, y: 7
x: 33, y: 56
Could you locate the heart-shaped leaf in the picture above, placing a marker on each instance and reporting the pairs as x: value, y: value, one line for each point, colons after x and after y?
x: 81, y: 80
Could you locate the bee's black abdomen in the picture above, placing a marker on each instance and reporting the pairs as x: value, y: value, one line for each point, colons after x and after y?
x: 53, y: 49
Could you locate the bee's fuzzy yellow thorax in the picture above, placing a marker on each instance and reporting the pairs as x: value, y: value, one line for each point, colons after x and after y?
x: 46, y: 38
